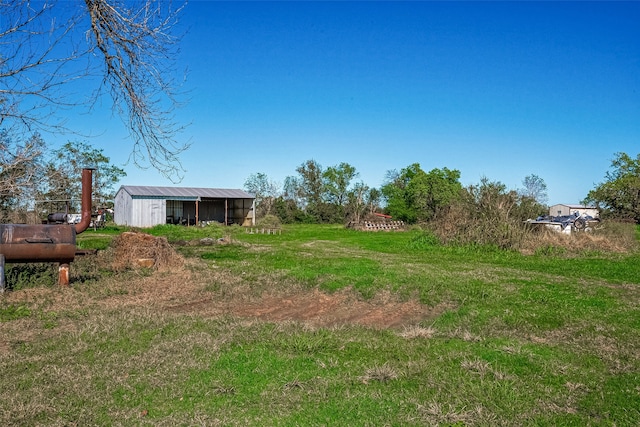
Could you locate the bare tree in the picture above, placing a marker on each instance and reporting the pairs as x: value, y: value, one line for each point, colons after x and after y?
x: 264, y: 190
x: 32, y: 67
x: 20, y: 170
x: 357, y: 201
x: 126, y: 49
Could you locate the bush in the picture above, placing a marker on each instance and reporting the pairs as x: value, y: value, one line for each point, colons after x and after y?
x: 486, y: 215
x: 489, y: 215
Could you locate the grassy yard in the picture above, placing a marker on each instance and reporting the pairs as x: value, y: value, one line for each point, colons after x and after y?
x: 503, y: 338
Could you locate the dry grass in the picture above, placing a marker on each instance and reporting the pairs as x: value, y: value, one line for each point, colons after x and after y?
x: 438, y: 414
x: 610, y: 237
x: 381, y: 373
x: 461, y: 229
x: 415, y: 331
x: 130, y: 248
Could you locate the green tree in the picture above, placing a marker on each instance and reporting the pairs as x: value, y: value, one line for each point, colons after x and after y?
x: 430, y: 192
x: 534, y: 188
x: 65, y: 169
x: 396, y: 195
x: 619, y: 194
x: 336, y: 190
x: 337, y: 180
x: 289, y: 212
x: 311, y: 190
x: 414, y: 195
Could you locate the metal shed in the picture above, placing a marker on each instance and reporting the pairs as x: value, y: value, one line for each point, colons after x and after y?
x: 146, y: 206
x: 564, y: 209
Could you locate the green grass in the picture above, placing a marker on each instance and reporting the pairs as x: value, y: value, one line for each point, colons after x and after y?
x: 175, y: 233
x: 525, y: 340
x: 13, y: 312
x: 99, y: 238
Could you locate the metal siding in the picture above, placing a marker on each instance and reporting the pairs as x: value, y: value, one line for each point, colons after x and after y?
x: 148, y: 212
x: 562, y: 209
x: 122, y: 208
x: 158, y: 212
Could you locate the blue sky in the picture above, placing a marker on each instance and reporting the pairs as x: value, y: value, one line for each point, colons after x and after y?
x: 501, y: 90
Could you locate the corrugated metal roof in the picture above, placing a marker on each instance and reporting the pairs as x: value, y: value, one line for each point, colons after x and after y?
x: 185, y: 192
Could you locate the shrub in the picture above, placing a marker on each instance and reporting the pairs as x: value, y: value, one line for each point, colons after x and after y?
x: 486, y: 214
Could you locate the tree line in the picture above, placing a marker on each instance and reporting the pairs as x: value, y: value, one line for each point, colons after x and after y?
x: 36, y: 180
x: 335, y: 194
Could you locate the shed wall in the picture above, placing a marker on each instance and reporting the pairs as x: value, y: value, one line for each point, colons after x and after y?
x: 122, y: 208
x: 138, y: 212
x: 148, y: 212
x: 561, y: 210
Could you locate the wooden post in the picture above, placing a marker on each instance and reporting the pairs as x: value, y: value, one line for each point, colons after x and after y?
x: 63, y: 274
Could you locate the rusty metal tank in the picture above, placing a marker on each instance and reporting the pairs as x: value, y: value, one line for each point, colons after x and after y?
x: 21, y: 243
x: 42, y: 243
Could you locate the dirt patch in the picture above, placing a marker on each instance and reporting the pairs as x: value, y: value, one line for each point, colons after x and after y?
x: 183, y: 292
x: 320, y: 309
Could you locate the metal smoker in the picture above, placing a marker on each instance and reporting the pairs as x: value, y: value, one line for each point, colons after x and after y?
x: 22, y: 243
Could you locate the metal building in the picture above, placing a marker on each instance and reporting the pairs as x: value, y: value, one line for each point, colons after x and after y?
x: 563, y: 210
x: 145, y: 206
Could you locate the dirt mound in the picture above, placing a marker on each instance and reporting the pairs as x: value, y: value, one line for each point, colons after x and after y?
x: 135, y: 250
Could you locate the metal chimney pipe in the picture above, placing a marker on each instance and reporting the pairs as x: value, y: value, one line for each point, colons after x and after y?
x: 85, y: 220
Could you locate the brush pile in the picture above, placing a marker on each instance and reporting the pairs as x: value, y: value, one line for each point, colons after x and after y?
x: 136, y: 250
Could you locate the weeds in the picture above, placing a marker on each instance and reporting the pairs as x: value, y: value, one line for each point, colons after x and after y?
x: 23, y: 276
x: 13, y: 312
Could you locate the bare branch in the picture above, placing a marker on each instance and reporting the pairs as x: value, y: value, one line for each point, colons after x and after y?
x: 135, y: 45
x: 46, y: 46
x: 34, y: 66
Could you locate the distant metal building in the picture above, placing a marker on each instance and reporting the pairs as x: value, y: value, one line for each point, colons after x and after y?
x: 563, y: 210
x: 145, y: 206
